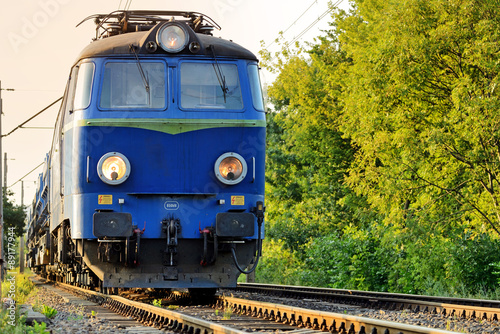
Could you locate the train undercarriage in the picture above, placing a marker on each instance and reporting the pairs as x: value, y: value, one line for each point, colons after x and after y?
x: 166, y: 263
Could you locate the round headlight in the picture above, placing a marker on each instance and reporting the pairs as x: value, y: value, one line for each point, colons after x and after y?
x: 230, y: 168
x: 172, y: 37
x: 113, y: 168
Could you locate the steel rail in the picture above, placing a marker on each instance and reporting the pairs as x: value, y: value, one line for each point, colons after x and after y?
x: 320, y: 320
x: 465, y: 308
x: 314, y: 320
x: 153, y: 315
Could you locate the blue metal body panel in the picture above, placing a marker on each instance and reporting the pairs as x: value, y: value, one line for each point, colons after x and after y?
x: 159, y: 228
x: 167, y: 166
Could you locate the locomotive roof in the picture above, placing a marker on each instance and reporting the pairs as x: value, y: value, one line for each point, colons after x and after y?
x: 118, y: 37
x: 120, y: 45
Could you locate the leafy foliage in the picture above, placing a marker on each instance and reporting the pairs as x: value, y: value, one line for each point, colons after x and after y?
x: 384, y: 149
x: 307, y: 156
x: 13, y: 323
x: 278, y: 265
x: 37, y: 328
x: 14, y: 215
x: 472, y: 265
x: 421, y: 104
x: 357, y: 260
x: 8, y: 327
x: 49, y: 312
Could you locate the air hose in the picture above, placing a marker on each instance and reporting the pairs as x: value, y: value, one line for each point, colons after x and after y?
x: 259, y: 212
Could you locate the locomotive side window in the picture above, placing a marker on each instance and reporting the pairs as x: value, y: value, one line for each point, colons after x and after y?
x: 132, y: 85
x: 210, y: 86
x: 253, y: 75
x: 83, y: 86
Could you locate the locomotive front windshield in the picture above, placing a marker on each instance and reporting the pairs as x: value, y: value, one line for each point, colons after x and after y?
x: 210, y: 86
x: 83, y: 87
x: 133, y: 85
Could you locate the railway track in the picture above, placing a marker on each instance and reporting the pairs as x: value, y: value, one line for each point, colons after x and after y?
x: 247, y: 315
x: 321, y: 321
x: 453, y: 307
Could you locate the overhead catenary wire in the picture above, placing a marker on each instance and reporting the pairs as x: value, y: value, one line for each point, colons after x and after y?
x: 38, y: 127
x: 329, y: 10
x: 33, y: 90
x: 127, y: 5
x: 314, y: 22
x: 31, y: 171
x: 32, y: 117
x: 21, y: 126
x: 304, y: 31
x: 291, y: 25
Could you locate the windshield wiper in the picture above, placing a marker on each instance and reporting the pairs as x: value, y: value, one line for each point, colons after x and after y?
x: 220, y: 75
x: 143, y: 75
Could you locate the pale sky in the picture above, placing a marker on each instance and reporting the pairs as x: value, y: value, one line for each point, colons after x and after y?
x: 39, y: 43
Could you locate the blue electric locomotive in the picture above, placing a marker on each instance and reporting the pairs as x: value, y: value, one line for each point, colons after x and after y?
x: 155, y: 178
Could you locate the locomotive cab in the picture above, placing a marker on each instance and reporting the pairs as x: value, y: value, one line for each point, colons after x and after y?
x: 157, y: 163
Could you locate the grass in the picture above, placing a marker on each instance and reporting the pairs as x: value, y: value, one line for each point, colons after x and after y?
x: 48, y: 311
x: 37, y: 328
x: 461, y: 291
x: 226, y: 314
x: 19, y: 288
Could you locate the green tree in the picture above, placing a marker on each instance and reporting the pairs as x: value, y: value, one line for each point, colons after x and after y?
x: 14, y: 215
x: 307, y: 156
x: 421, y: 103
x: 384, y: 147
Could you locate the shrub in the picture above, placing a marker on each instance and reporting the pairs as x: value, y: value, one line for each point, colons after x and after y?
x: 472, y: 262
x: 355, y: 260
x: 278, y: 265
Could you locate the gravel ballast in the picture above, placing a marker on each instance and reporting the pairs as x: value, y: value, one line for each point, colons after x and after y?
x: 437, y: 321
x: 79, y: 319
x: 73, y: 318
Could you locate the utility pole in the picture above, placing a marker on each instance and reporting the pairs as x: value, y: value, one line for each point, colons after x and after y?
x: 1, y: 197
x: 21, y: 241
x: 5, y: 170
x: 2, y: 260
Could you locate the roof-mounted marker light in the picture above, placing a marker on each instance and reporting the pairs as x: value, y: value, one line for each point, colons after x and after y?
x: 194, y: 47
x: 151, y: 46
x: 172, y: 37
